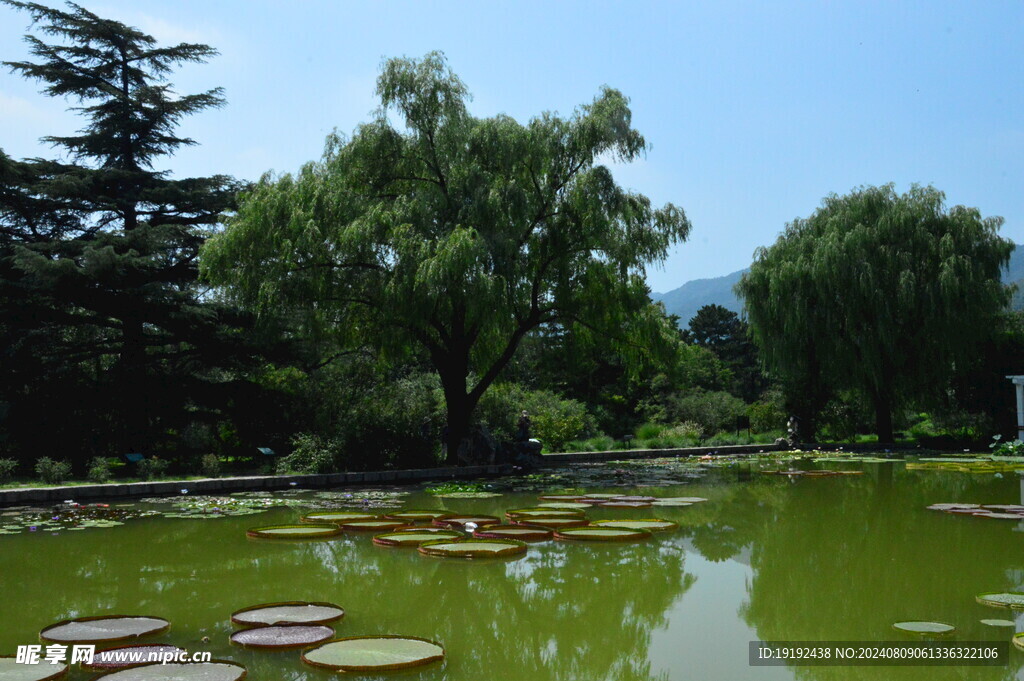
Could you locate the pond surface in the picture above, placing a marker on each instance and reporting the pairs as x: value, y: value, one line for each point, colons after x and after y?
x: 764, y: 558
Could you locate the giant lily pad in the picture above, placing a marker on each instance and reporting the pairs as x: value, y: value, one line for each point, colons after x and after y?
x: 520, y: 532
x: 671, y: 502
x: 287, y: 636
x: 635, y: 498
x: 649, y: 524
x: 559, y: 497
x: 688, y: 500
x: 1005, y: 599
x: 999, y: 623
x: 307, y: 531
x: 474, y: 548
x: 103, y: 628
x: 602, y: 496
x: 952, y: 507
x: 12, y: 670
x: 216, y: 670
x: 543, y: 512
x: 374, y: 653
x: 415, y: 537
x: 1018, y: 641
x: 600, y: 534
x: 998, y: 516
x: 460, y: 521
x: 921, y: 628
x: 375, y: 525
x: 336, y: 516
x: 287, y: 612
x: 129, y: 656
x: 551, y: 523
x: 615, y: 503
x: 417, y: 514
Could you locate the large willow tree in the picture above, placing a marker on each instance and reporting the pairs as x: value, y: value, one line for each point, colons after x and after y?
x: 877, y: 292
x: 455, y: 234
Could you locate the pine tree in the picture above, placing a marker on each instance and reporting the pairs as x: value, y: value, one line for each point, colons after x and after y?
x: 99, y: 251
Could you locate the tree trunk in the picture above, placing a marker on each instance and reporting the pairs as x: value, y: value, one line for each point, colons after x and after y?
x: 883, y: 416
x: 132, y: 378
x: 453, y: 374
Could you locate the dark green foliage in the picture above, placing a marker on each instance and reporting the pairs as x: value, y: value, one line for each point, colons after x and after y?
x: 454, y: 235
x: 712, y: 411
x: 7, y: 469
x: 555, y: 421
x: 210, y: 465
x: 152, y: 468
x: 99, y: 470
x: 725, y: 334
x: 768, y: 413
x: 879, y: 293
x: 52, y: 472
x: 102, y: 321
x: 311, y: 454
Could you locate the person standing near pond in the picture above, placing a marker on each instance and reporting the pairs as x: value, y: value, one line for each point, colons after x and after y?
x: 523, y: 428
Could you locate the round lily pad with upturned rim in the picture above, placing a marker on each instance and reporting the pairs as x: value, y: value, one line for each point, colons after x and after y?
x: 374, y: 653
x: 337, y: 516
x: 1002, y: 599
x: 544, y: 513
x: 287, y: 612
x: 671, y: 502
x: 414, y: 538
x: 103, y: 628
x: 1004, y: 508
x: 376, y: 525
x: 460, y: 521
x: 999, y: 516
x: 559, y: 497
x: 600, y: 534
x: 307, y: 531
x: 601, y: 495
x: 214, y: 670
x: 551, y: 523
x: 128, y: 656
x: 649, y: 524
x: 924, y: 628
x: 615, y: 503
x: 417, y: 514
x: 283, y: 636
x: 690, y: 500
x: 474, y: 548
x: 950, y: 507
x: 565, y: 505
x: 520, y: 532
x: 12, y: 670
x: 635, y: 497
x: 1018, y: 641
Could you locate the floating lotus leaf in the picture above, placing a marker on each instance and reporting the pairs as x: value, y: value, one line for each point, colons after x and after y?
x: 375, y: 525
x: 551, y: 523
x: 1005, y: 599
x: 1005, y: 508
x: 287, y: 636
x: 951, y: 507
x: 568, y: 505
x: 414, y: 537
x: 924, y: 628
x: 12, y: 670
x: 614, y: 503
x: 103, y: 628
x: 544, y: 512
x: 559, y: 497
x: 671, y: 502
x: 128, y: 656
x: 436, y: 529
x: 308, y: 531
x: 336, y: 516
x: 999, y: 623
x: 520, y: 532
x: 415, y: 514
x: 999, y: 516
x: 602, y: 496
x: 635, y: 498
x: 600, y: 534
x: 649, y: 524
x: 474, y: 548
x: 287, y: 612
x: 374, y: 653
x: 459, y: 521
x: 217, y: 670
x: 689, y: 500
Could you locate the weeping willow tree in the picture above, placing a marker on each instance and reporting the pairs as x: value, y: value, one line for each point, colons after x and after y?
x: 453, y: 234
x: 877, y: 292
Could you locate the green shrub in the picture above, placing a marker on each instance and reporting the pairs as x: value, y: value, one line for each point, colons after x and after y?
x: 556, y: 421
x: 712, y: 411
x: 52, y: 472
x: 7, y: 468
x: 99, y: 470
x: 312, y: 454
x: 687, y: 431
x: 153, y: 468
x: 210, y: 465
x: 768, y: 413
x: 649, y: 430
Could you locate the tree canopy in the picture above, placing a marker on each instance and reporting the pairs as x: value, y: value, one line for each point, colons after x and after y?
x: 879, y: 292
x: 455, y: 234
x: 103, y: 321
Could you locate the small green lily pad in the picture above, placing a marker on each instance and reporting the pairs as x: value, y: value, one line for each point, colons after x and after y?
x: 924, y: 628
x: 374, y: 653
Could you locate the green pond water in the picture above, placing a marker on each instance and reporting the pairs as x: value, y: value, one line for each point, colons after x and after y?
x: 765, y: 558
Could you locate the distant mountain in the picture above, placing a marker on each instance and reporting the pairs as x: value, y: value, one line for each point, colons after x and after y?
x: 693, y: 295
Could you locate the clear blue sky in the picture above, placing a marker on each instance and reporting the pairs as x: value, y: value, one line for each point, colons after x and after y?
x: 754, y: 110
